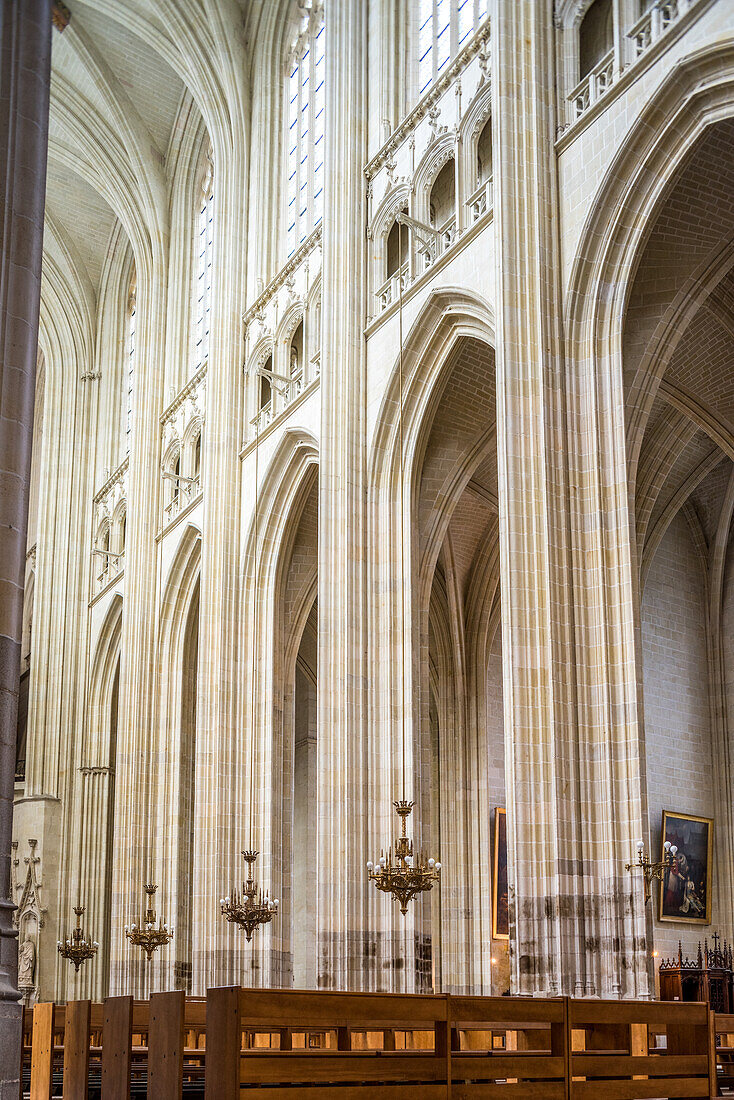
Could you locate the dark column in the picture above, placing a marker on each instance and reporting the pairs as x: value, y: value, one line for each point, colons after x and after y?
x: 25, y: 66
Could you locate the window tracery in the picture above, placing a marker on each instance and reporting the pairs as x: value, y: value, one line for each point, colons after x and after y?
x: 444, y: 26
x: 204, y: 254
x: 305, y: 133
x: 131, y: 357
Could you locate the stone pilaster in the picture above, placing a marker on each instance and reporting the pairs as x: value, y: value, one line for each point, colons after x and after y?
x: 135, y: 841
x: 575, y: 798
x: 220, y: 813
x: 341, y: 586
x: 25, y: 40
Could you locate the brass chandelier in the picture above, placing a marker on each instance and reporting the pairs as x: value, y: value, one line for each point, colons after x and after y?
x: 147, y: 934
x: 250, y: 907
x: 409, y: 875
x: 76, y: 948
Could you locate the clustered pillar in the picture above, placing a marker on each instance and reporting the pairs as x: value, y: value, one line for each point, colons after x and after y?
x: 25, y: 66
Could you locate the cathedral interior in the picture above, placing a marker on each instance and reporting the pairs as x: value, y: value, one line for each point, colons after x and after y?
x: 379, y: 408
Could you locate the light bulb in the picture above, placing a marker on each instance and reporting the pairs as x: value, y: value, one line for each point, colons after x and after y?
x: 640, y: 845
x: 431, y: 863
x: 667, y: 845
x: 58, y: 943
x: 95, y: 944
x: 673, y: 849
x: 438, y: 866
x: 276, y: 903
x: 370, y: 864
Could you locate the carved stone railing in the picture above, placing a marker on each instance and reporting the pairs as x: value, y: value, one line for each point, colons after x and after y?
x: 108, y: 551
x: 655, y: 22
x: 662, y: 17
x: 480, y: 201
x: 292, y: 298
x: 185, y: 493
x: 444, y: 126
x: 593, y: 85
x: 181, y: 426
x: 390, y: 290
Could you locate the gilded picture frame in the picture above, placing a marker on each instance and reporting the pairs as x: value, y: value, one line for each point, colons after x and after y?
x: 500, y: 910
x: 685, y: 889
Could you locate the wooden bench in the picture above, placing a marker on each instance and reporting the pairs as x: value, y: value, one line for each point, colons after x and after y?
x: 630, y: 1050
x: 508, y: 1046
x: 275, y: 1044
x: 724, y: 1051
x: 340, y: 1066
x: 126, y: 1045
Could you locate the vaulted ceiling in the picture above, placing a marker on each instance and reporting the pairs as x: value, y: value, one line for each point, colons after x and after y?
x: 124, y: 75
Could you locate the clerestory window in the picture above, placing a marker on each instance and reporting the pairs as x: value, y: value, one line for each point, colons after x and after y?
x: 204, y: 252
x: 131, y: 356
x: 444, y: 26
x: 305, y: 137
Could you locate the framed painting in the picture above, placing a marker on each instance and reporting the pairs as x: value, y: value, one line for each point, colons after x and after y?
x: 685, y: 888
x: 500, y: 910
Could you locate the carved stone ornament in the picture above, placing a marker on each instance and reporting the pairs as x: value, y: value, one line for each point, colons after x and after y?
x: 26, y: 963
x: 30, y: 888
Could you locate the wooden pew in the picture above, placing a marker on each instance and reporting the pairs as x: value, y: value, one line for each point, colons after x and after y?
x: 339, y: 1070
x: 42, y: 1051
x: 611, y: 1054
x: 724, y: 1052
x: 353, y: 1046
x: 503, y: 1045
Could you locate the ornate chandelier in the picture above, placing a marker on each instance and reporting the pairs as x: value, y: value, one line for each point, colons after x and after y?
x: 76, y: 949
x: 409, y: 875
x: 249, y: 908
x: 146, y: 934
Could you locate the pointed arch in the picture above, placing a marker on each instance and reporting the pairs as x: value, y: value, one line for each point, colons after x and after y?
x: 97, y: 796
x: 286, y: 486
x: 174, y: 751
x: 698, y: 91
x: 398, y: 631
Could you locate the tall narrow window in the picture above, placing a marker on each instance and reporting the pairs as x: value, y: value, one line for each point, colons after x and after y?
x: 305, y: 137
x: 204, y: 250
x: 444, y: 26
x: 131, y: 355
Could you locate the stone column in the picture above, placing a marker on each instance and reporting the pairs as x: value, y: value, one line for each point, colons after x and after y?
x: 574, y: 784
x: 25, y: 68
x: 220, y: 954
x: 341, y: 585
x: 135, y: 845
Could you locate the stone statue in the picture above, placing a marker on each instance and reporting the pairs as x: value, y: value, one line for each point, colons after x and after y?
x: 26, y: 963
x: 294, y: 361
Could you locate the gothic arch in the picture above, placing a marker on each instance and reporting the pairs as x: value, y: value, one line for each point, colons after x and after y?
x: 98, y: 793
x: 697, y: 92
x: 174, y: 750
x: 285, y: 486
x: 450, y: 323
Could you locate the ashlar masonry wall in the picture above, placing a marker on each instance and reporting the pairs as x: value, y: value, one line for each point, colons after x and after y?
x: 676, y: 699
